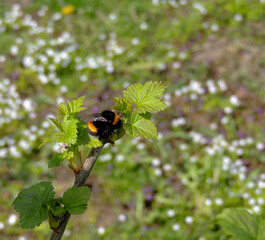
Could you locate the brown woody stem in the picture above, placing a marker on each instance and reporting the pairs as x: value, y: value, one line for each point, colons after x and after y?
x: 80, y: 180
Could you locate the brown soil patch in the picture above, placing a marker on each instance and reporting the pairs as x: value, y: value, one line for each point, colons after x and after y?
x: 236, y: 59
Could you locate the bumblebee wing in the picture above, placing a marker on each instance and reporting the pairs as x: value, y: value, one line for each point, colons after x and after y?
x: 85, y: 116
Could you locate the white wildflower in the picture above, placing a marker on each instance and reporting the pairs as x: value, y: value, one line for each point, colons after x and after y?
x: 101, y: 230
x: 189, y: 220
x: 122, y: 218
x: 12, y: 219
x: 176, y: 227
x: 170, y: 213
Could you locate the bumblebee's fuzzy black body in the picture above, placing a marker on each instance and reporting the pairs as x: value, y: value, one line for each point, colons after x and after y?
x: 103, y: 124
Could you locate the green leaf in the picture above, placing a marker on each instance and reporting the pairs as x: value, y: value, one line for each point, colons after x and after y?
x: 56, y: 160
x: 147, y: 97
x: 93, y: 143
x: 146, y: 115
x: 68, y: 133
x: 82, y: 134
x: 141, y: 127
x: 59, y: 200
x: 123, y: 107
x: 31, y: 203
x: 75, y: 199
x: 242, y: 225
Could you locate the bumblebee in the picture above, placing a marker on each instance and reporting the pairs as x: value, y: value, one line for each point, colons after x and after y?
x: 103, y: 125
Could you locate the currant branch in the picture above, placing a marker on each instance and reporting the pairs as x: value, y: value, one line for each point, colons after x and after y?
x: 80, y: 180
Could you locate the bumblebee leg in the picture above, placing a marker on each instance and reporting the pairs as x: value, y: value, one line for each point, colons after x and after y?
x: 105, y: 139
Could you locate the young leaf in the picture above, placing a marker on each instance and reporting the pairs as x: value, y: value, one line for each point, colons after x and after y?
x: 75, y: 199
x: 147, y: 97
x: 63, y: 111
x: 59, y: 210
x: 68, y: 154
x: 48, y: 140
x: 57, y: 123
x: 68, y: 133
x: 31, y: 204
x: 75, y: 106
x: 241, y: 224
x: 93, y: 143
x: 52, y: 221
x: 123, y: 107
x: 72, y: 107
x: 56, y: 160
x: 141, y: 127
x: 121, y: 104
x: 55, y: 207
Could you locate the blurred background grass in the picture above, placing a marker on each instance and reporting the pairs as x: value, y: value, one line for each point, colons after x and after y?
x: 210, y: 149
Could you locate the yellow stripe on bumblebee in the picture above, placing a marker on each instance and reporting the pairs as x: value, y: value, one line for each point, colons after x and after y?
x: 92, y: 127
x: 116, y: 119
